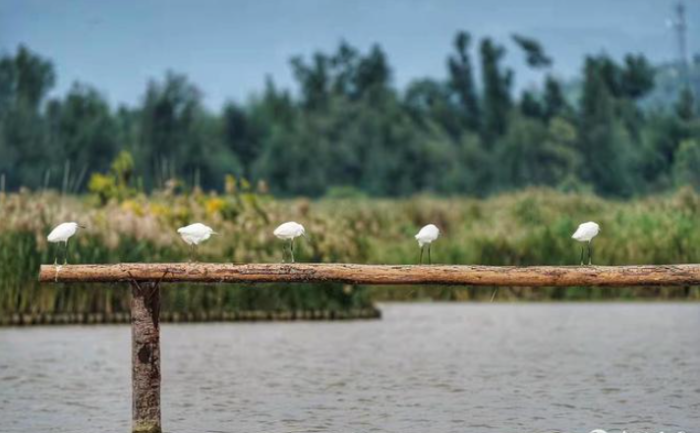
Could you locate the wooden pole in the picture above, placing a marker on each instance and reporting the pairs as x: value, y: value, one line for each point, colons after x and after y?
x: 145, y: 357
x: 535, y: 276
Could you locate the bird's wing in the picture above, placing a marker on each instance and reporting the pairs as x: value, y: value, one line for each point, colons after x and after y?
x: 188, y: 230
x: 285, y: 229
x: 577, y: 233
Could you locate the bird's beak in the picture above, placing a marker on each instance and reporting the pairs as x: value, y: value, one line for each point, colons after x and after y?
x: 214, y: 233
x: 82, y: 227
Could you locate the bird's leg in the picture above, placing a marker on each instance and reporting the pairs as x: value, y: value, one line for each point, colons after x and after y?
x: 284, y: 252
x: 430, y: 260
x: 590, y: 253
x: 55, y: 254
x: 291, y: 249
x: 420, y: 260
x: 65, y: 253
x: 581, y: 255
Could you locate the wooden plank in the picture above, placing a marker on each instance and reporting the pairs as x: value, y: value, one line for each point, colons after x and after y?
x: 534, y: 276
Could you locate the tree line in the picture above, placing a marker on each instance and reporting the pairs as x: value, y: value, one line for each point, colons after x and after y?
x: 349, y: 130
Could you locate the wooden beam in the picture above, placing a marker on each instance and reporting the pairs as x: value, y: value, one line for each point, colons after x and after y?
x: 560, y: 276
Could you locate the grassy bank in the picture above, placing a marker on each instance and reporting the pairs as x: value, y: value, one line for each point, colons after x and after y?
x: 526, y: 228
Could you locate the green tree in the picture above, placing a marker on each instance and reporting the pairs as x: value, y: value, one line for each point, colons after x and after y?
x: 178, y: 138
x: 313, y: 79
x: 496, y: 94
x: 530, y: 106
x: 534, y: 52
x: 469, y: 170
x: 461, y: 81
x: 373, y: 75
x: 240, y: 136
x: 429, y: 103
x: 553, y: 100
x: 348, y: 128
x: 83, y: 131
x: 637, y: 77
x: 604, y: 143
x: 33, y: 77
x: 686, y: 168
x: 25, y: 80
x: 345, y: 63
x: 685, y: 107
x: 532, y: 154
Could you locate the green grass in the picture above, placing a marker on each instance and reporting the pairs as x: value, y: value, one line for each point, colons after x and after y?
x: 527, y: 228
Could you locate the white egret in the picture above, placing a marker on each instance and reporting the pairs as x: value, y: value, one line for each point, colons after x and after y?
x: 585, y: 233
x: 194, y: 234
x: 426, y: 236
x: 288, y: 232
x: 61, y: 233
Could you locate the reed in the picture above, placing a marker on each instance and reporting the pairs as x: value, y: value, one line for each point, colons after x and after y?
x: 525, y: 228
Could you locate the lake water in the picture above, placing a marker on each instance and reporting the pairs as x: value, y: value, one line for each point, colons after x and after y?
x: 422, y: 368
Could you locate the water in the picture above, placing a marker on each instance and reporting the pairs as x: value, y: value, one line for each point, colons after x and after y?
x: 423, y: 368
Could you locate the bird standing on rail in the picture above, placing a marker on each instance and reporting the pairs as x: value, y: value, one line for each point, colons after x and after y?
x: 194, y: 234
x: 288, y: 232
x: 61, y: 233
x: 585, y: 233
x: 426, y: 236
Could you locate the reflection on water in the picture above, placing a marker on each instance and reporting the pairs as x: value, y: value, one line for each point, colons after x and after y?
x: 423, y: 368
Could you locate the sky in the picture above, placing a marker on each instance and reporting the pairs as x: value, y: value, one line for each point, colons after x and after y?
x: 228, y: 47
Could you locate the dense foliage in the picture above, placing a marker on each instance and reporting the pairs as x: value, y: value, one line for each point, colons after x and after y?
x: 347, y: 130
x: 525, y: 228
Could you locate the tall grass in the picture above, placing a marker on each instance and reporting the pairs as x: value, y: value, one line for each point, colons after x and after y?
x: 532, y: 227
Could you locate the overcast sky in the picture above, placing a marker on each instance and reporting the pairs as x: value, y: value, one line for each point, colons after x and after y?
x: 228, y: 47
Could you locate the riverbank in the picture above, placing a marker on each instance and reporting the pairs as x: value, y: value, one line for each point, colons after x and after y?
x: 200, y: 316
x: 531, y: 227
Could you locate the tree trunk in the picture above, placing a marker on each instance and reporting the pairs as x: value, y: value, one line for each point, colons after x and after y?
x: 145, y: 357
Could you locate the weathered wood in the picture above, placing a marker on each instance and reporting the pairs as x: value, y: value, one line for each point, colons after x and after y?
x: 145, y: 357
x: 651, y: 275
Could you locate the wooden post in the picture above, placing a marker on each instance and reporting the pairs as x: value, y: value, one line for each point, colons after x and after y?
x: 145, y: 357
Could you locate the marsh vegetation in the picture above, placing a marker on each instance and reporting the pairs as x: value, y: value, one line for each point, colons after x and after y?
x: 532, y: 227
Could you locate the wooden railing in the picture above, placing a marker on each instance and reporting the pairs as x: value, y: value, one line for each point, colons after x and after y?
x: 667, y: 275
x: 145, y: 280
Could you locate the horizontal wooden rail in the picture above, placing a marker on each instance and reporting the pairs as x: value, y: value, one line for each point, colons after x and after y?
x: 534, y: 276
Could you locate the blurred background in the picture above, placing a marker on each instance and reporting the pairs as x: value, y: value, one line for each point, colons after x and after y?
x: 505, y: 124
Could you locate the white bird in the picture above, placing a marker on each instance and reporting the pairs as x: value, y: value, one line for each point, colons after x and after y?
x: 585, y: 233
x: 426, y: 236
x: 61, y: 233
x: 288, y: 232
x: 194, y: 234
